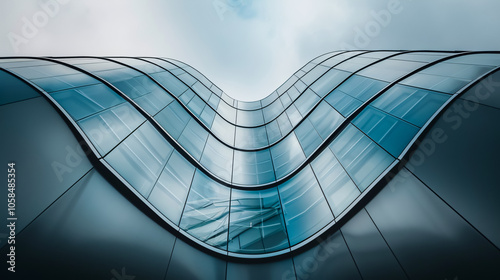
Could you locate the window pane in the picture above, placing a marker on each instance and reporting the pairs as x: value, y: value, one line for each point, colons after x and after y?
x: 170, y: 192
x: 325, y: 119
x: 287, y: 155
x: 252, y: 168
x: 306, y: 102
x: 308, y: 137
x: 173, y: 119
x: 218, y: 158
x: 304, y: 206
x: 207, y: 211
x: 111, y: 126
x: 140, y: 158
x: 391, y: 133
x: 361, y: 157
x: 257, y: 224
x: 193, y: 138
x: 410, y: 104
x: 250, y: 118
x: 329, y: 81
x: 223, y: 130
x: 339, y: 189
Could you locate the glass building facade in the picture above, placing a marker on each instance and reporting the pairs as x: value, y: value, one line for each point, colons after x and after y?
x: 362, y: 165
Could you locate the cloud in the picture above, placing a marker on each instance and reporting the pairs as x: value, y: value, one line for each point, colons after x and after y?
x: 248, y: 48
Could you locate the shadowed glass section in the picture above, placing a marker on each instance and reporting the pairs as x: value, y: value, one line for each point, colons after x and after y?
x: 256, y: 222
x: 411, y: 104
x: 391, y: 133
x: 207, y: 211
x: 304, y: 206
x: 170, y: 192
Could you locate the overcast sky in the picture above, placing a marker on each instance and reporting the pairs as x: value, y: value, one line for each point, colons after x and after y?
x: 248, y: 48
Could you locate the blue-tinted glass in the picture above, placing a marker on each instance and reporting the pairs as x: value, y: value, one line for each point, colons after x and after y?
x: 293, y: 115
x: 273, y: 131
x: 223, y: 130
x: 207, y: 211
x: 325, y: 119
x: 410, y: 104
x: 314, y: 74
x: 304, y: 206
x: 170, y: 192
x: 170, y: 82
x: 256, y: 223
x: 187, y: 96
x: 287, y: 155
x: 186, y: 78
x: 342, y: 102
x: 227, y: 112
x: 252, y: 168
x: 390, y: 69
x: 294, y: 92
x: 285, y: 99
x: 255, y: 137
x: 339, y: 58
x: 297, y: 89
x: 111, y: 126
x: 202, y: 91
x: 173, y: 119
x: 273, y: 110
x: 268, y: 99
x: 284, y: 124
x: 361, y: 88
x: 193, y: 138
x: 207, y: 116
x: 196, y: 105
x: 390, y: 132
x: 286, y: 85
x: 140, y: 158
x: 308, y: 137
x: 218, y: 158
x: 87, y: 100
x: 329, y: 81
x: 57, y: 83
x: 361, y: 157
x: 250, y: 118
x: 250, y: 105
x: 154, y: 101
x: 355, y: 63
x: 338, y: 188
x: 306, y: 102
x: 214, y: 100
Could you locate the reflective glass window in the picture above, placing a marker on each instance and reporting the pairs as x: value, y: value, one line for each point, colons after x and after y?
x: 391, y: 133
x: 84, y: 101
x: 306, y: 102
x: 218, y: 158
x: 256, y: 223
x: 293, y: 115
x: 343, y: 103
x: 173, y: 119
x: 339, y: 189
x: 309, y: 139
x: 273, y: 110
x: 295, y: 91
x: 223, y: 130
x: 251, y: 138
x: 252, y: 168
x: 140, y: 158
x: 325, y: 119
x: 273, y: 131
x: 249, y: 118
x: 111, y: 126
x: 304, y: 206
x: 202, y: 91
x: 170, y: 192
x: 284, y: 124
x: 207, y: 211
x: 314, y: 74
x: 193, y: 138
x: 287, y: 155
x: 170, y: 82
x: 227, y: 112
x: 410, y: 104
x: 361, y: 88
x: 363, y: 160
x: 328, y: 82
x: 207, y: 116
x: 390, y: 69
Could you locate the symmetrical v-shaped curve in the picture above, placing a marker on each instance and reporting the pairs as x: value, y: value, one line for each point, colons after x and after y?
x: 253, y: 179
